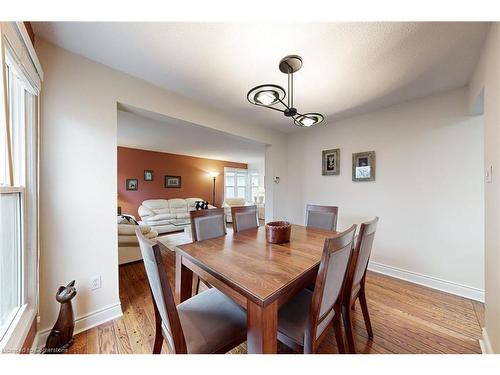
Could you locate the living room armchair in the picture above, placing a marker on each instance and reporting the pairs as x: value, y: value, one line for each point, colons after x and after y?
x: 128, y: 245
x: 232, y: 202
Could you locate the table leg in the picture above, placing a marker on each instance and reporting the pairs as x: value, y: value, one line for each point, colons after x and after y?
x: 183, y: 280
x: 262, y: 328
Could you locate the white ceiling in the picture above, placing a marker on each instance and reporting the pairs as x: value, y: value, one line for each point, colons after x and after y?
x: 138, y: 128
x: 348, y: 68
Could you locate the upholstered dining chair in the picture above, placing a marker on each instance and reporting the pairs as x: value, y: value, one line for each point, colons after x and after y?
x: 206, y: 224
x: 355, y: 283
x: 322, y: 217
x: 244, y: 217
x: 209, y: 322
x: 303, y: 321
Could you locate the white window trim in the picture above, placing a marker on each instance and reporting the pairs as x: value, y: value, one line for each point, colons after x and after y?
x: 13, y: 36
x: 248, y: 187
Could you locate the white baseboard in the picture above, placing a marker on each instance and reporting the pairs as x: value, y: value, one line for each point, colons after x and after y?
x: 428, y: 281
x: 83, y: 323
x: 485, y: 343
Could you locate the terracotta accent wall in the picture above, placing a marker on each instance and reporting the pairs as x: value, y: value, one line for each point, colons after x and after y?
x: 195, y: 181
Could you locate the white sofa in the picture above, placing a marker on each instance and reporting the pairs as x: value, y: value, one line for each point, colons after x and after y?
x: 162, y: 214
x: 128, y: 245
x: 233, y: 202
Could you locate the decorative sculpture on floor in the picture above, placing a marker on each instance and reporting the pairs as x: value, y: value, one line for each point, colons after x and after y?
x: 61, y: 335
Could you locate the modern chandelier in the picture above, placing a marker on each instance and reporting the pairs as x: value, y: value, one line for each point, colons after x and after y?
x: 269, y: 95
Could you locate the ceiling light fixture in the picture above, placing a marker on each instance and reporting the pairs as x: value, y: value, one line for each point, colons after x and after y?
x: 269, y: 95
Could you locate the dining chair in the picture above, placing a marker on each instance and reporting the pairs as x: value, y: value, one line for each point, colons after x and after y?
x: 206, y: 224
x: 322, y: 217
x: 209, y: 322
x: 303, y: 321
x: 355, y: 283
x: 244, y: 217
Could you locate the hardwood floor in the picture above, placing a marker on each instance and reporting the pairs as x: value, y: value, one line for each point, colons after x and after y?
x: 406, y: 318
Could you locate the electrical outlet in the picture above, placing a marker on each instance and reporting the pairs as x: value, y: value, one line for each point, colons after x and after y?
x: 95, y: 283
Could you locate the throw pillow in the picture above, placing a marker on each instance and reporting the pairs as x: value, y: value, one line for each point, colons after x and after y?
x: 126, y: 219
x: 201, y: 205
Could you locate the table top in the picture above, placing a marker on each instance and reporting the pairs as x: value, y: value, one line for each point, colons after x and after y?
x: 259, y: 270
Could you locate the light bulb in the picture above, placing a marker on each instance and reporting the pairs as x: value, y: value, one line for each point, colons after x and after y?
x: 266, y: 97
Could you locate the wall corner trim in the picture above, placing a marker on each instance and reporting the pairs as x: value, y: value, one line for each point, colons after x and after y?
x: 82, y: 323
x: 485, y: 343
x: 428, y: 281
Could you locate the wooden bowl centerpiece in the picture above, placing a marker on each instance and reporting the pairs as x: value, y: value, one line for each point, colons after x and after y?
x: 278, y: 232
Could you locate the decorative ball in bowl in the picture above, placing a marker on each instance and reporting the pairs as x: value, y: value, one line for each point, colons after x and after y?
x: 278, y: 232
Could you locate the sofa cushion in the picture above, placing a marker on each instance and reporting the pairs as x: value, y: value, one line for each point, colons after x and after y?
x: 162, y: 211
x: 155, y: 204
x: 183, y: 215
x: 132, y: 240
x: 159, y: 217
x: 177, y: 205
x: 128, y: 229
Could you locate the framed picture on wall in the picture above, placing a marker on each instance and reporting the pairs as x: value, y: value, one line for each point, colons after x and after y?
x: 172, y: 181
x: 363, y: 166
x: 148, y: 175
x: 330, y: 162
x: 132, y: 184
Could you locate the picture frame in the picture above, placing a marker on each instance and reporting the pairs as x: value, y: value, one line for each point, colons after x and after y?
x: 132, y: 184
x: 363, y: 166
x: 330, y: 162
x: 172, y: 182
x: 148, y: 175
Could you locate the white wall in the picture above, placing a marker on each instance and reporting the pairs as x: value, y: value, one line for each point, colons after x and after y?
x: 428, y: 191
x: 78, y: 233
x: 487, y: 78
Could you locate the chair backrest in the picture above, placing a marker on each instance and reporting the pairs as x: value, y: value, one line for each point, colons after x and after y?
x: 244, y: 218
x: 206, y: 224
x: 326, y: 300
x: 322, y: 217
x: 163, y: 298
x: 361, y: 256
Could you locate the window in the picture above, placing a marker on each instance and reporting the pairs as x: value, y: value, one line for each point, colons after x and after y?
x: 235, y: 182
x: 18, y: 190
x: 241, y: 183
x: 10, y: 258
x: 254, y: 184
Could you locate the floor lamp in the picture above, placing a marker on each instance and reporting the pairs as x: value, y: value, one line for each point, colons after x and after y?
x: 213, y: 175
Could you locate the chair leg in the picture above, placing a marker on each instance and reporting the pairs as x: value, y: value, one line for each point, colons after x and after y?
x: 347, y: 318
x: 196, y: 283
x: 158, y: 334
x: 366, y: 315
x: 337, y: 329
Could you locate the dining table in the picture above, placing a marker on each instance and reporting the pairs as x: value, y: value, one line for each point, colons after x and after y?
x: 258, y: 275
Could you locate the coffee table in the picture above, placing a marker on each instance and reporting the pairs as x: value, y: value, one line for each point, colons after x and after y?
x: 171, y: 241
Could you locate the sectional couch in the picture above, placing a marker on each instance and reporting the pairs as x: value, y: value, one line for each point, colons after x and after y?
x: 167, y: 215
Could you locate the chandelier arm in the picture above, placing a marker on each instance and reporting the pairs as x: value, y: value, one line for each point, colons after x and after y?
x: 287, y: 107
x: 300, y: 114
x: 266, y: 106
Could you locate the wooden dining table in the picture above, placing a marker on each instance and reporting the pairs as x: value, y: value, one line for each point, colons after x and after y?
x: 259, y: 276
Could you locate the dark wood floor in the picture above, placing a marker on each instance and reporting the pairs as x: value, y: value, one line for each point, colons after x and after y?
x: 406, y: 318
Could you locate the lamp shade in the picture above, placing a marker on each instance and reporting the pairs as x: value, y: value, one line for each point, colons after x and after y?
x: 308, y: 120
x: 266, y: 95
